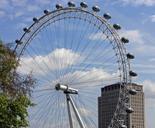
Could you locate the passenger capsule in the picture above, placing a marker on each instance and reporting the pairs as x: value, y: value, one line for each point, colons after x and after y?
x: 46, y: 12
x: 59, y: 6
x: 107, y: 16
x: 132, y: 91
x: 26, y: 30
x: 117, y: 26
x: 35, y: 19
x: 130, y: 56
x: 132, y: 73
x: 124, y: 40
x: 71, y: 4
x: 83, y: 5
x: 18, y: 42
x: 129, y: 110
x: 96, y: 8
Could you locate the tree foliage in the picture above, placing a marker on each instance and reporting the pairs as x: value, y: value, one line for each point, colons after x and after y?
x: 15, y: 91
x: 13, y: 112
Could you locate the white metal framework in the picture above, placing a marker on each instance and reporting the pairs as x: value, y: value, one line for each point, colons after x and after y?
x: 73, y: 52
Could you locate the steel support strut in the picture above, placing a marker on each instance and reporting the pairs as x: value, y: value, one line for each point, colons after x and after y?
x: 69, y: 111
x: 67, y: 90
x: 77, y: 113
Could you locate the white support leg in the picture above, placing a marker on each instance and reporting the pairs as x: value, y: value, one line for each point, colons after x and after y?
x: 68, y: 90
x: 69, y: 111
x: 77, y: 113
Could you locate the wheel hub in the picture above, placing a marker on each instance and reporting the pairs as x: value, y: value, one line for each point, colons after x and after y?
x: 65, y: 89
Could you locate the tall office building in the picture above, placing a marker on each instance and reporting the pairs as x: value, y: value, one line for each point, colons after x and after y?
x: 107, y: 105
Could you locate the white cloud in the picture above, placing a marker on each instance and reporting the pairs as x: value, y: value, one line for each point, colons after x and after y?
x: 19, y: 3
x: 97, y: 36
x: 28, y: 19
x: 32, y: 8
x: 91, y: 77
x: 4, y: 3
x: 58, y: 59
x: 150, y: 104
x: 134, y: 36
x: 43, y: 1
x: 20, y: 26
x: 145, y: 49
x: 152, y: 59
x: 140, y: 42
x: 149, y: 89
x: 2, y: 13
x: 139, y: 2
x: 152, y: 18
x: 141, y: 45
x: 18, y: 14
x: 85, y: 111
x: 145, y: 68
x: 15, y: 14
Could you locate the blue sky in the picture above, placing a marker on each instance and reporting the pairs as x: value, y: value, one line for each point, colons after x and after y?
x: 137, y: 18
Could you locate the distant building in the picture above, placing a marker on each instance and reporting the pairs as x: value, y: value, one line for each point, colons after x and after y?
x: 107, y: 105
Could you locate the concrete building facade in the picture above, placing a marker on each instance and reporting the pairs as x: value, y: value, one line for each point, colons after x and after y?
x: 107, y: 105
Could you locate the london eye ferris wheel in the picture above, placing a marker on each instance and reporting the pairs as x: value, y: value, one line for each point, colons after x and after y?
x: 73, y: 52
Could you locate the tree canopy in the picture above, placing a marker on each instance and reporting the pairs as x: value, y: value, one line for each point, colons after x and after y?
x: 15, y: 91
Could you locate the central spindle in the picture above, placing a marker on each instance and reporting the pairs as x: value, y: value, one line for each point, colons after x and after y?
x: 66, y: 89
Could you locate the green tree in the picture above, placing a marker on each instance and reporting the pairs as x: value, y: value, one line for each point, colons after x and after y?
x: 15, y: 91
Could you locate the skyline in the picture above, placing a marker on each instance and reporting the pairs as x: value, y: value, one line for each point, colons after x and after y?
x: 137, y: 19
